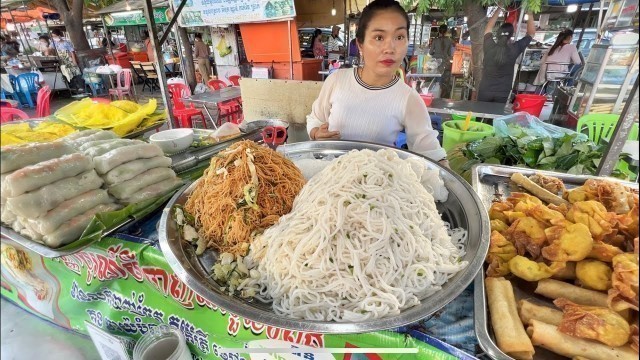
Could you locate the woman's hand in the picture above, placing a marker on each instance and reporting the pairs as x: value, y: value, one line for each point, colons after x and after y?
x: 445, y: 163
x: 323, y: 133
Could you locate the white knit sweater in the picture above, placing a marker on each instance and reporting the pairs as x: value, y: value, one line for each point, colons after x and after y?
x: 374, y: 114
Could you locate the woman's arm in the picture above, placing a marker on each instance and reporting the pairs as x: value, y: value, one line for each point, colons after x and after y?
x: 318, y: 120
x: 575, y: 56
x: 421, y: 137
x: 492, y: 22
x: 531, y: 26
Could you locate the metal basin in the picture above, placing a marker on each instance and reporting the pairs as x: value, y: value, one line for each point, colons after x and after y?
x: 462, y: 209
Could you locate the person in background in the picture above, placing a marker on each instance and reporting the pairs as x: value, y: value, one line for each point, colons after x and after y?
x: 334, y: 45
x: 201, y: 54
x: 63, y: 47
x: 561, y: 53
x: 500, y: 59
x: 319, y: 52
x: 354, y: 52
x: 442, y: 48
x: 149, y: 48
x: 7, y: 48
x: 370, y: 102
x: 44, y: 46
x: 466, y: 39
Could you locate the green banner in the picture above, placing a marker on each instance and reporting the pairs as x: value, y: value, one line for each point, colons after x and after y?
x: 162, y: 15
x: 127, y: 288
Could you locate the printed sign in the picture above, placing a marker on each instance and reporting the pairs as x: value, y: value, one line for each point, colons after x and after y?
x: 219, y: 12
x: 162, y: 15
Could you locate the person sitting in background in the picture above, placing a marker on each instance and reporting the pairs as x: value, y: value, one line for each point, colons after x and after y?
x: 500, y: 58
x: 7, y: 48
x: 334, y: 45
x: 44, y: 46
x: 370, y: 102
x: 556, y: 61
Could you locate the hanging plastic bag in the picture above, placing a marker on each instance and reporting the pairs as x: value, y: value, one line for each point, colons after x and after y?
x: 223, y: 47
x: 534, y: 126
x: 201, y: 88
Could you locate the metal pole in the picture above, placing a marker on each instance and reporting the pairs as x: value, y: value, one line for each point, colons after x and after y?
x: 172, y: 22
x: 620, y: 134
x: 600, y: 10
x: 290, y: 51
x: 162, y: 78
x: 584, y: 25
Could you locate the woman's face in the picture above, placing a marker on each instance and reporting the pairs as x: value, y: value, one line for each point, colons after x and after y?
x: 385, y: 43
x: 568, y: 39
x: 43, y: 43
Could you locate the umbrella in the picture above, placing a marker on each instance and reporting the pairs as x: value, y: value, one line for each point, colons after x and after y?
x: 21, y: 16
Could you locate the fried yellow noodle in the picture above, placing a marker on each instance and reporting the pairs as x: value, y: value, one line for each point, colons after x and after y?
x: 227, y: 208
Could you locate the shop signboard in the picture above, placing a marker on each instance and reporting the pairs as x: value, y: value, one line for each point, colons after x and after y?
x: 124, y: 287
x: 162, y: 15
x: 220, y: 12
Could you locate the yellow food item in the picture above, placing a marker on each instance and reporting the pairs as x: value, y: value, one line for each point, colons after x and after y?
x: 527, y: 234
x: 624, y: 294
x: 9, y: 139
x: 571, y: 243
x: 15, y: 128
x: 500, y: 252
x: 594, y: 274
x: 594, y: 323
x: 22, y: 133
x: 499, y: 226
x: 530, y: 270
x: 594, y: 215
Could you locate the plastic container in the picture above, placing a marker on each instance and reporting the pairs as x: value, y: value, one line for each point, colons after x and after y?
x: 529, y: 103
x: 427, y: 98
x: 162, y: 342
x: 461, y: 117
x: 453, y: 136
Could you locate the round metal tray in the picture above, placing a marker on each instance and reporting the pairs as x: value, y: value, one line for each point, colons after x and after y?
x: 462, y: 209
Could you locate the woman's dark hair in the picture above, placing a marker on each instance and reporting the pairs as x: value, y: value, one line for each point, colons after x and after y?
x: 198, y: 36
x: 564, y: 35
x: 505, y: 32
x: 443, y: 29
x: 56, y: 32
x: 466, y: 34
x: 370, y: 10
x: 45, y: 38
x: 316, y: 33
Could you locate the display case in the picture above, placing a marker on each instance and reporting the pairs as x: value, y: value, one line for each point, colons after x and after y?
x: 606, y: 81
x: 622, y: 15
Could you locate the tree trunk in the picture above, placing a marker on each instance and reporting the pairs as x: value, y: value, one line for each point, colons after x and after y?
x: 477, y: 21
x: 189, y: 71
x: 72, y: 17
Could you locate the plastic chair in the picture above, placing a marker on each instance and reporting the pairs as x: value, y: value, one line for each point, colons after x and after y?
x: 217, y: 84
x: 601, y: 126
x: 123, y: 86
x: 10, y: 114
x: 43, y: 102
x: 235, y: 80
x: 183, y: 113
x: 5, y: 104
x: 27, y: 85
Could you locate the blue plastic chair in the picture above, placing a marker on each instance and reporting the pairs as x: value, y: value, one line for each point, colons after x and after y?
x: 97, y: 87
x: 27, y: 85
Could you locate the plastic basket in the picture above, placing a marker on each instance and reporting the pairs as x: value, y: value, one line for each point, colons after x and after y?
x: 529, y: 103
x: 453, y: 136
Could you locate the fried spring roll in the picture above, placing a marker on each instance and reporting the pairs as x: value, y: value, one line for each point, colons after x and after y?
x: 511, y: 336
x: 555, y: 289
x: 549, y: 337
x: 529, y: 311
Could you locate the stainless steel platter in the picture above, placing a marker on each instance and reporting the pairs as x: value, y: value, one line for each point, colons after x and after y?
x: 462, y: 209
x: 493, y: 182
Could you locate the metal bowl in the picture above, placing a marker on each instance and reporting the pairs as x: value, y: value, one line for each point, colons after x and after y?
x: 462, y: 209
x: 248, y: 126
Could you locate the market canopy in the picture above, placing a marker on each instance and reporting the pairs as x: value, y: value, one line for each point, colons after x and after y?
x: 130, y: 5
x: 21, y: 16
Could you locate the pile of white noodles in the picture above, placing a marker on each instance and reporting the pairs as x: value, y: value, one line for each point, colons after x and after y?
x: 364, y: 240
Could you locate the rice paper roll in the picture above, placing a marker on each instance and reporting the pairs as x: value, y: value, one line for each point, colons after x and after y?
x: 114, y: 144
x: 81, y: 134
x: 7, y: 216
x: 36, y: 176
x: 154, y: 190
x: 68, y: 209
x: 73, y: 229
x: 130, y: 187
x: 116, y: 157
x: 128, y: 171
x: 101, y: 135
x: 37, y: 203
x: 16, y: 157
x: 91, y: 144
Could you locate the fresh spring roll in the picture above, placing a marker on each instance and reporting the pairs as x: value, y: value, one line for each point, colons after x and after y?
x: 72, y: 229
x: 36, y: 176
x: 115, y: 144
x: 511, y: 336
x: 16, y: 157
x: 116, y: 157
x: 81, y: 134
x: 130, y: 187
x: 549, y: 337
x: 7, y: 216
x: 101, y: 135
x: 94, y: 143
x: 37, y: 203
x: 154, y: 190
x: 69, y: 209
x: 128, y: 171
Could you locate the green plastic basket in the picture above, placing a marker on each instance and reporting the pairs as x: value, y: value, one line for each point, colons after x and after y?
x: 453, y: 136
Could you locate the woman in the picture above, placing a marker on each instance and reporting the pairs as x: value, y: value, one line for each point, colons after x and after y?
x: 44, y: 46
x: 319, y: 52
x: 442, y: 49
x: 149, y: 48
x: 500, y: 59
x: 371, y: 103
x: 556, y: 60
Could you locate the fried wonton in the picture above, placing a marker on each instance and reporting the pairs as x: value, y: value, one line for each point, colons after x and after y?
x: 501, y: 251
x: 594, y: 274
x: 593, y: 322
x: 528, y: 236
x: 624, y: 292
x: 594, y: 215
x: 530, y: 270
x: 571, y: 243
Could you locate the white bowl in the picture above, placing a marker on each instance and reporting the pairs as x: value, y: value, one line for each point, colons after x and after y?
x: 173, y: 141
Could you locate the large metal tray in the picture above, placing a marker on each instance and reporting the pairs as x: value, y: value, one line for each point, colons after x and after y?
x: 44, y: 250
x: 492, y: 182
x: 462, y: 209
